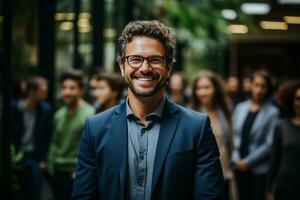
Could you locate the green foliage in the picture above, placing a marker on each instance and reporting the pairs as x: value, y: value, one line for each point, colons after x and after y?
x: 15, y: 167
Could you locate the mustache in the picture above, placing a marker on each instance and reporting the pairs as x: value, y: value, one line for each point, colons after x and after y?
x: 140, y: 75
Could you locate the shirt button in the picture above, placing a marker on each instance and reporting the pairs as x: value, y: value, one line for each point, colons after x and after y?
x: 141, y: 156
x: 140, y: 180
x: 143, y: 131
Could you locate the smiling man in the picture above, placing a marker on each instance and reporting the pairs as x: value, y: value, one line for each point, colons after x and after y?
x: 147, y: 147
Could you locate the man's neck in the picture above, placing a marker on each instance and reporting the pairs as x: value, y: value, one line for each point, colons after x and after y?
x: 30, y: 103
x: 72, y: 107
x: 142, y: 106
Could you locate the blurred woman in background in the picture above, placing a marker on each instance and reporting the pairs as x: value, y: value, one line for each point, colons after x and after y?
x: 209, y: 96
x: 177, y: 89
x: 284, y: 174
x: 253, y: 122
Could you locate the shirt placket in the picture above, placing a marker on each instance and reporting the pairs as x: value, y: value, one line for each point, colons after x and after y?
x: 142, y: 164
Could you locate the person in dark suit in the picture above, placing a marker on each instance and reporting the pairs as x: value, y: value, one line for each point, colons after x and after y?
x: 148, y: 147
x: 32, y: 132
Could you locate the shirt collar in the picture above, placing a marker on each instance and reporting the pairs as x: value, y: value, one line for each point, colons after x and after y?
x: 156, y: 114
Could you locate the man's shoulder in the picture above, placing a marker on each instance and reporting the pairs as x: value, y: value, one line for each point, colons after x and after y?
x: 60, y: 112
x: 45, y: 107
x: 87, y: 108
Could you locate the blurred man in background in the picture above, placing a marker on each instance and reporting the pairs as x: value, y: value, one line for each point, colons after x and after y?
x: 69, y: 121
x: 108, y: 91
x: 32, y: 131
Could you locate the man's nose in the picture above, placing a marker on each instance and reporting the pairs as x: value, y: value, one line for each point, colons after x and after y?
x: 145, y: 66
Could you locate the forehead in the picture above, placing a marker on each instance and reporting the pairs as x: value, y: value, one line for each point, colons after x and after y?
x: 144, y: 46
x: 69, y: 83
x: 259, y: 80
x: 176, y: 77
x: 103, y: 82
x: 204, y: 81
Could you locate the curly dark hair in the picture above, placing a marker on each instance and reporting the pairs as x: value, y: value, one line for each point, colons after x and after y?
x: 286, y: 95
x: 73, y: 74
x: 153, y: 29
x: 220, y: 98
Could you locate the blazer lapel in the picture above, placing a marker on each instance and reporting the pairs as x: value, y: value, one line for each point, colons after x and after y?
x: 167, y: 131
x: 260, y: 118
x: 241, y: 117
x: 119, y: 146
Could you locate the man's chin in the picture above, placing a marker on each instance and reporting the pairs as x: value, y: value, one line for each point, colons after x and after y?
x: 145, y: 93
x: 69, y: 103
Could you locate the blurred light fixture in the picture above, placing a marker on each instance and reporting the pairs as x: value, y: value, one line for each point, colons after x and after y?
x: 109, y: 32
x: 256, y: 8
x: 237, y: 28
x: 66, y: 26
x: 70, y: 16
x: 273, y: 25
x: 229, y: 14
x: 86, y: 29
x: 83, y: 23
x: 292, y: 19
x: 59, y: 16
x: 289, y: 1
x: 85, y: 15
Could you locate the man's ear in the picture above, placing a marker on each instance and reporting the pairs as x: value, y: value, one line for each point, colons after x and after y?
x: 169, y: 69
x: 121, y: 65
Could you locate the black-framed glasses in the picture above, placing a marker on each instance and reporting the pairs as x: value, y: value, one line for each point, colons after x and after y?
x: 136, y: 61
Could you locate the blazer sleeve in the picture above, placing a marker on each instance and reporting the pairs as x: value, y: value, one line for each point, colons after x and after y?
x: 263, y: 151
x: 85, y: 184
x: 208, y: 181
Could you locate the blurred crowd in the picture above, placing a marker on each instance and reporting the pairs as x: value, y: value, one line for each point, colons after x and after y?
x: 256, y: 126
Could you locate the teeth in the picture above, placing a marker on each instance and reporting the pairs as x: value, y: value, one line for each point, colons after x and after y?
x: 145, y: 78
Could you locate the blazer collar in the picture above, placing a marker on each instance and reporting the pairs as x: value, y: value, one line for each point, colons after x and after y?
x: 260, y: 118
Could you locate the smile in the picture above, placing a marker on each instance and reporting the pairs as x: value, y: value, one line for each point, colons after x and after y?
x: 146, y: 78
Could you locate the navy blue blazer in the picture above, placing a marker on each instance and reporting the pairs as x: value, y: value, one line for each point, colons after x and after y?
x: 186, y: 162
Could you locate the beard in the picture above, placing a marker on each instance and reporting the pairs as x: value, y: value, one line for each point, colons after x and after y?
x: 146, y: 92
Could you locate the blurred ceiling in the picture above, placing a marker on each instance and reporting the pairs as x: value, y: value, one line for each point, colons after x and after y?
x: 281, y: 21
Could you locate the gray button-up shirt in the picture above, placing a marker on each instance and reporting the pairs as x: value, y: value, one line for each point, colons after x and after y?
x: 142, y: 142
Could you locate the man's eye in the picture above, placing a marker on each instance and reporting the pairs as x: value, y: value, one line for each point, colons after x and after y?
x: 135, y: 60
x: 155, y: 60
